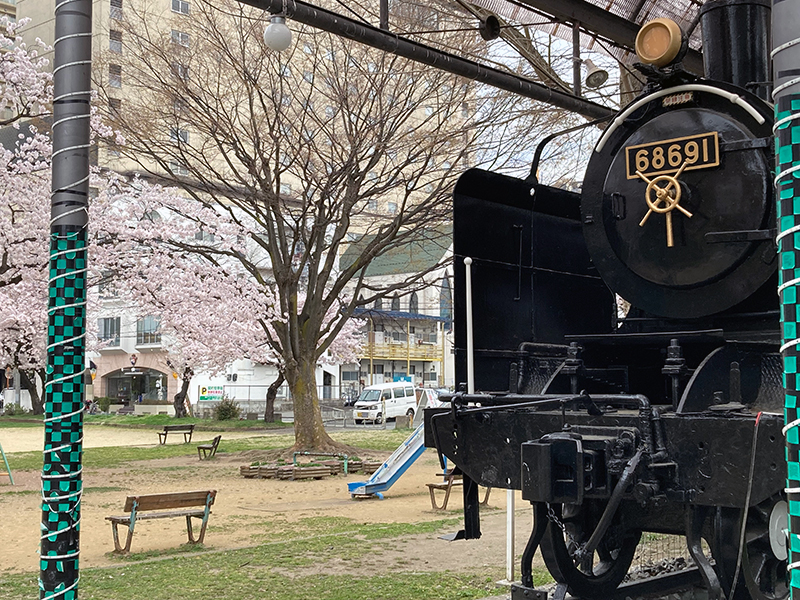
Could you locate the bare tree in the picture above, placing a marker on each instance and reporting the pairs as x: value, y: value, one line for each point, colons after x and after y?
x: 327, y: 145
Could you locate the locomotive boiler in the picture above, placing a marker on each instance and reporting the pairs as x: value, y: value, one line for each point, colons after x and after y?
x: 627, y: 376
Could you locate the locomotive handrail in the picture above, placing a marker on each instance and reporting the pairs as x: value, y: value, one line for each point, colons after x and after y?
x: 690, y: 87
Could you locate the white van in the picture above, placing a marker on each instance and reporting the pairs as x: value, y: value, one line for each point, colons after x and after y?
x: 385, y: 401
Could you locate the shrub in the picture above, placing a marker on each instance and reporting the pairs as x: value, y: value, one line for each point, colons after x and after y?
x: 10, y: 410
x: 103, y: 402
x: 227, y: 410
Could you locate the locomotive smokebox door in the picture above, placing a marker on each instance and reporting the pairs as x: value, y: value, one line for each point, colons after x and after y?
x: 691, y: 166
x: 552, y: 469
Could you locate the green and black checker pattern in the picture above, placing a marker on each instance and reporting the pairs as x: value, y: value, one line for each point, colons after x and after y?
x: 787, y: 151
x: 61, y: 472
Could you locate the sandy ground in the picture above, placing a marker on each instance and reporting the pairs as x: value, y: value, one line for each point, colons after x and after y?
x: 241, y: 504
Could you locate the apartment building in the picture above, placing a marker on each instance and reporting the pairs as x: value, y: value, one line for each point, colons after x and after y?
x: 133, y: 363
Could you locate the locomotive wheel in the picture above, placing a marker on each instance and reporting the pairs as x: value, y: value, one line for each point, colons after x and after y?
x: 596, y: 577
x: 762, y: 575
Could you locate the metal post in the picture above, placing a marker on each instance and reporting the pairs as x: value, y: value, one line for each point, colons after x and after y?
x: 371, y: 348
x: 384, y: 15
x: 576, y: 59
x: 510, y: 529
x: 786, y: 95
x: 470, y: 356
x: 66, y: 356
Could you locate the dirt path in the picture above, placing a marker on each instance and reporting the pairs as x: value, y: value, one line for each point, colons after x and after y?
x: 241, y: 505
x: 27, y: 439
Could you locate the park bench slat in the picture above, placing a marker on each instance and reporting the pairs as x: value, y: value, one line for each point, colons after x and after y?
x: 163, y: 515
x: 168, y: 500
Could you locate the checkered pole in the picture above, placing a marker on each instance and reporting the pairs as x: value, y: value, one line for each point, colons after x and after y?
x: 786, y: 95
x: 66, y: 356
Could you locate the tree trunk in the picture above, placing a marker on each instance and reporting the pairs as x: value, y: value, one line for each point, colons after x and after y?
x: 309, y: 431
x: 27, y: 380
x: 272, y: 393
x: 179, y: 401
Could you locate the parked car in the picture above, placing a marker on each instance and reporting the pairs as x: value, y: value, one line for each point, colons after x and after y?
x: 385, y: 401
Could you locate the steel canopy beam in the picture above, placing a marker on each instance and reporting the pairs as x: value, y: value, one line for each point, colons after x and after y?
x: 337, y: 24
x: 605, y: 24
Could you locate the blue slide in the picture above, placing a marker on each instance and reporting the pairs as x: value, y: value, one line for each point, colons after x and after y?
x: 393, y: 468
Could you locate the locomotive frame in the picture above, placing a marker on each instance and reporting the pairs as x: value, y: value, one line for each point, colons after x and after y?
x: 666, y: 419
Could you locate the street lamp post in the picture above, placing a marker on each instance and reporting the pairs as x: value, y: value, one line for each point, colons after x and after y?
x: 66, y: 354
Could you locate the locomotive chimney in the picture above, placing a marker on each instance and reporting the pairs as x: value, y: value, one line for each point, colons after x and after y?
x: 736, y: 43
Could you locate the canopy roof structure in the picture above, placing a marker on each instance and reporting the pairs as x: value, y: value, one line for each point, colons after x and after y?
x: 607, y: 25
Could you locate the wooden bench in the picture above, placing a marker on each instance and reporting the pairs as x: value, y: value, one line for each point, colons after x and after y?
x: 451, y: 479
x: 208, y: 450
x: 186, y: 430
x: 140, y: 506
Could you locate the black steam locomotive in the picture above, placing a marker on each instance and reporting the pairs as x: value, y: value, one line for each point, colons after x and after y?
x: 627, y: 375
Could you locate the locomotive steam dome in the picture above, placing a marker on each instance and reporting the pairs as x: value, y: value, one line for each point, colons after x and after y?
x: 677, y: 201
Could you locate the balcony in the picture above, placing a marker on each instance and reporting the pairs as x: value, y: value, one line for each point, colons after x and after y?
x: 380, y: 346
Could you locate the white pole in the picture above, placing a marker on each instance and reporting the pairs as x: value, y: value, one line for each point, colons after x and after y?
x: 510, y: 529
x: 470, y: 357
x: 471, y: 390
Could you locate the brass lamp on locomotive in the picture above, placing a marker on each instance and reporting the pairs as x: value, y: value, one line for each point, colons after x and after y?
x: 667, y: 419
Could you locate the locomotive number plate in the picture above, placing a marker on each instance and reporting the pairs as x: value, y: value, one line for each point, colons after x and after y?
x: 667, y: 156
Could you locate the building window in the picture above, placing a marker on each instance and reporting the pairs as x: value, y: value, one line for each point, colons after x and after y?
x: 180, y: 6
x: 412, y: 370
x: 115, y: 76
x: 377, y: 369
x: 446, y: 304
x: 180, y: 38
x: 114, y: 107
x: 115, y: 41
x: 181, y: 71
x: 180, y: 107
x: 178, y: 168
x: 204, y: 236
x: 431, y: 376
x: 391, y: 208
x: 413, y: 303
x: 378, y: 305
x: 108, y: 331
x: 178, y: 136
x: 349, y: 375
x: 308, y: 48
x: 116, y: 9
x: 147, y: 331
x: 308, y: 76
x: 396, y: 302
x: 372, y: 204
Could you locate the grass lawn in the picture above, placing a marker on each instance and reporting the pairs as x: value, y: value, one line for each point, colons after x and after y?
x: 154, y: 422
x: 114, y: 456
x: 325, y: 557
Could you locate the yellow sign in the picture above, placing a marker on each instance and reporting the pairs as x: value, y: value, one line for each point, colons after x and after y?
x: 667, y: 156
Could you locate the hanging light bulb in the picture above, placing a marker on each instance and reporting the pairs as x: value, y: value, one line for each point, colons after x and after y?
x: 277, y: 35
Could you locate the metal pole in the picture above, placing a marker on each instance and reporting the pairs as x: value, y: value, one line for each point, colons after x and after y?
x: 66, y: 356
x: 384, y: 15
x: 470, y: 356
x: 576, y: 59
x: 351, y: 29
x: 786, y: 95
